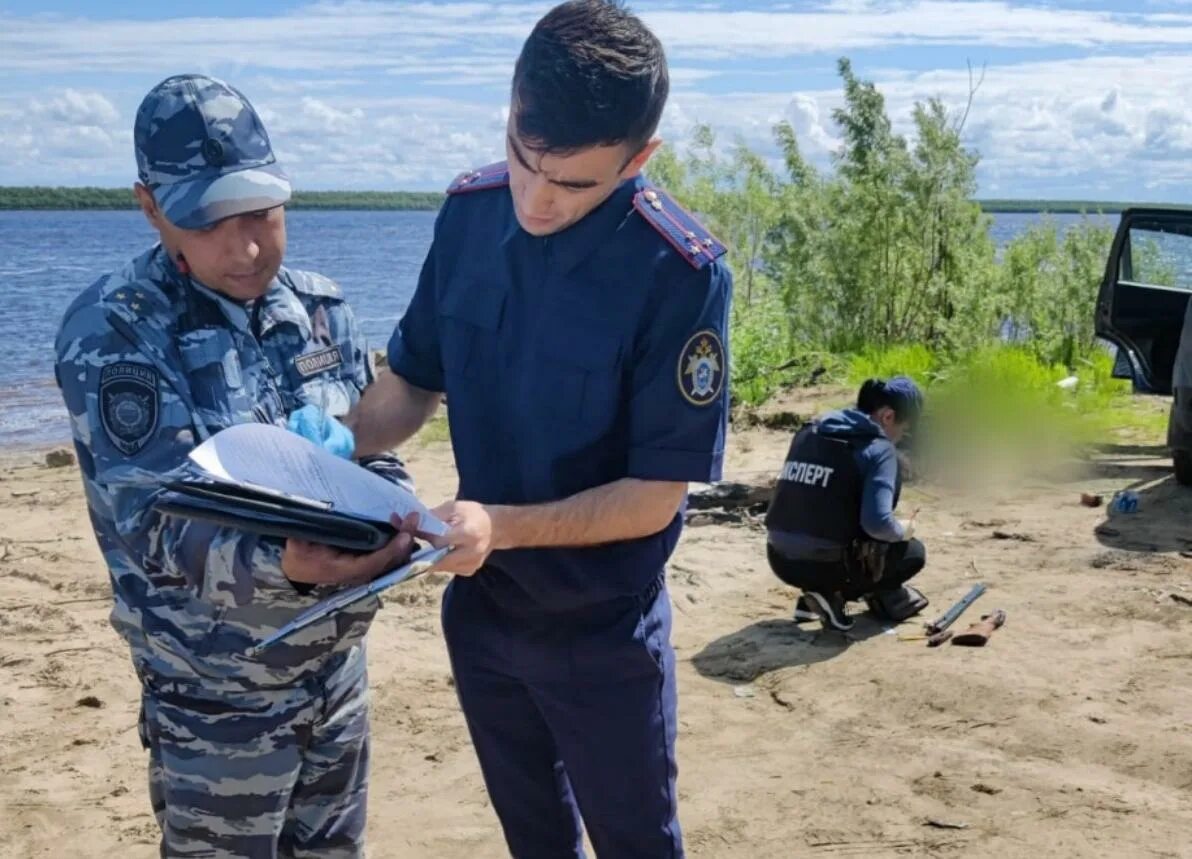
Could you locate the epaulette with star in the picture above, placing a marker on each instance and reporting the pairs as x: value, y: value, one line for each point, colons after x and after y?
x: 679, y: 227
x: 135, y: 300
x: 310, y: 283
x: 493, y: 176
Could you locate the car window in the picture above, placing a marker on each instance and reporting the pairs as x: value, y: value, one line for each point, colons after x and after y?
x: 1159, y: 256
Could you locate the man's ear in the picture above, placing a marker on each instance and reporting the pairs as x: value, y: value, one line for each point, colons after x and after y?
x: 638, y: 161
x: 157, y: 220
x: 148, y: 205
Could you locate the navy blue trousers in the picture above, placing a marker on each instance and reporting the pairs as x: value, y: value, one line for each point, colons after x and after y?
x: 573, y: 718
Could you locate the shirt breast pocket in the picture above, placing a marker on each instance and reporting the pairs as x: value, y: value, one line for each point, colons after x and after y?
x: 580, y: 368
x: 214, y: 376
x: 471, y: 319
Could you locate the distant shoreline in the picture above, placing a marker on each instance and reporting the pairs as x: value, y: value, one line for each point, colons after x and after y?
x: 40, y: 198
x: 37, y: 198
x: 1057, y: 207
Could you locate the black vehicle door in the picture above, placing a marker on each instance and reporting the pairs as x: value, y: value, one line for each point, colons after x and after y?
x: 1144, y: 295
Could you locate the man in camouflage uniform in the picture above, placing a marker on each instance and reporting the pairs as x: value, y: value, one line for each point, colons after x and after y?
x: 264, y: 756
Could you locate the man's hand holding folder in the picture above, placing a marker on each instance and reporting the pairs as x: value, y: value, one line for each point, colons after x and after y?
x: 263, y: 479
x: 319, y: 564
x: 344, y: 525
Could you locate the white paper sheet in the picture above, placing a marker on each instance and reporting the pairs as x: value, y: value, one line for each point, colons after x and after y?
x: 272, y: 458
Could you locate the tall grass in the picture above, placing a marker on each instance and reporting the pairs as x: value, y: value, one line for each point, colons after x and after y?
x: 914, y: 360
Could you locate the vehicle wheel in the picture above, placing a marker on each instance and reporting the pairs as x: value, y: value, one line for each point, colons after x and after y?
x: 1182, y: 460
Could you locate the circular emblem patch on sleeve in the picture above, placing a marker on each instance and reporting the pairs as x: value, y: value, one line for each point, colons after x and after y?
x: 129, y: 404
x: 701, y: 368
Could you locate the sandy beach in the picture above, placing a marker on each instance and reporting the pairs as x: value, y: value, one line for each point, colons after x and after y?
x: 1069, y: 735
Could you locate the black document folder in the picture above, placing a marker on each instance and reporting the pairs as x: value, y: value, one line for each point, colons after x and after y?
x: 262, y: 511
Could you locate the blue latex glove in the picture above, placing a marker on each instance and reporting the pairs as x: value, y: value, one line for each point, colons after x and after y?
x: 313, y: 424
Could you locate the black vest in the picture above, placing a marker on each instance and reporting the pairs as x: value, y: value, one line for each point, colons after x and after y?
x: 819, y: 489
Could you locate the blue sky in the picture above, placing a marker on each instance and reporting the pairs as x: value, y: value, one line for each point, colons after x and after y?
x: 1081, y: 98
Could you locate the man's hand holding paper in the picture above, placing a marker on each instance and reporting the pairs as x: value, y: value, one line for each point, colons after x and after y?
x: 303, y: 475
x: 344, y: 525
x: 470, y: 534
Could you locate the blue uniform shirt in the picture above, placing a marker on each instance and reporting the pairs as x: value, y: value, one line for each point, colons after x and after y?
x: 572, y: 361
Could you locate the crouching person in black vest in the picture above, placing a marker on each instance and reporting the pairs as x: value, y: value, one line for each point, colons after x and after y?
x: 832, y: 529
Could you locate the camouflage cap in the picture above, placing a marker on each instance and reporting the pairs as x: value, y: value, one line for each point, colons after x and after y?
x: 204, y: 153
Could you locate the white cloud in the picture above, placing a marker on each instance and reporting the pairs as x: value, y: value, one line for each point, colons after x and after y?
x: 406, y: 94
x: 444, y: 36
x: 804, y: 114
x: 82, y: 108
x: 1074, y: 123
x: 1056, y: 128
x: 1168, y: 134
x: 61, y: 136
x: 318, y: 117
x: 80, y: 142
x: 324, y: 37
x: 858, y: 25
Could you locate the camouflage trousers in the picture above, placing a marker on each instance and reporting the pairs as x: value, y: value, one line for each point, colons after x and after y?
x: 261, y: 775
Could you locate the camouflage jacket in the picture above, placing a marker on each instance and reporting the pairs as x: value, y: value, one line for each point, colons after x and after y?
x: 150, y: 363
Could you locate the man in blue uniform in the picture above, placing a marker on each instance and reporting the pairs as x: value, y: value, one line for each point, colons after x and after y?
x: 575, y: 318
x: 248, y: 757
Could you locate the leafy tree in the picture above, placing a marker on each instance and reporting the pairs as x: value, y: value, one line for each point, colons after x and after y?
x: 889, y: 249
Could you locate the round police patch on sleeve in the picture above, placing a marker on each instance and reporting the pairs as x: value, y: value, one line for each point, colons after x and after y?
x: 129, y: 404
x: 701, y: 368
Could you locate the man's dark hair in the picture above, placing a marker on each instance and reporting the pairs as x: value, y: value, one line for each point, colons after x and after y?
x: 590, y: 74
x: 900, y: 394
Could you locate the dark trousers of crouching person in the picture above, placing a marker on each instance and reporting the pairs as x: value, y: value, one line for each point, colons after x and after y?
x: 903, y: 561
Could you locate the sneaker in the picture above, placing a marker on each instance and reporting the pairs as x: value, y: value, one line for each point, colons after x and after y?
x: 803, y: 610
x: 830, y: 610
x: 899, y: 604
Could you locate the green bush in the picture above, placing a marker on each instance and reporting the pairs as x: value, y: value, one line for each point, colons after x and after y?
x: 886, y: 263
x: 1047, y: 289
x: 914, y: 360
x: 766, y: 357
x: 760, y: 345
